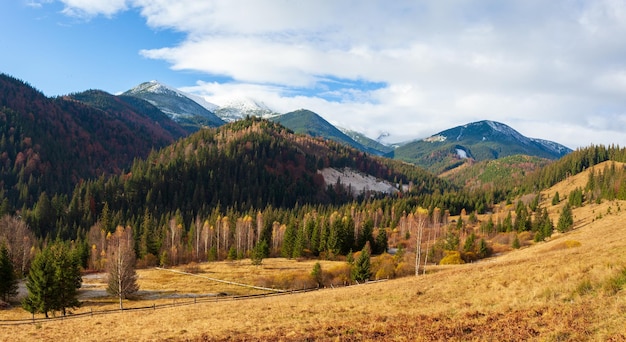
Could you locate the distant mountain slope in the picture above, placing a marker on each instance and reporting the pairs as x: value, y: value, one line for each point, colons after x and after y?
x: 304, y: 121
x: 51, y: 144
x: 176, y: 104
x: 482, y: 140
x: 504, y: 173
x: 368, y: 143
x: 141, y: 116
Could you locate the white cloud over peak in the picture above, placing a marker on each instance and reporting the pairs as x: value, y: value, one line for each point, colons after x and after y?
x: 551, y: 69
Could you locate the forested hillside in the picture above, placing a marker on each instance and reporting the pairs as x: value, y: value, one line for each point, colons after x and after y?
x: 48, y: 145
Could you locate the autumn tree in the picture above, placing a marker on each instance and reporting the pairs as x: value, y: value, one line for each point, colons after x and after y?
x: 122, y: 277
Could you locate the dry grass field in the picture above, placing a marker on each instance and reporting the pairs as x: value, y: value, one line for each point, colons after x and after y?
x: 565, y: 289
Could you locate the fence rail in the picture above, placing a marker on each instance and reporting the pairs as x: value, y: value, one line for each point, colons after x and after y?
x: 175, y: 303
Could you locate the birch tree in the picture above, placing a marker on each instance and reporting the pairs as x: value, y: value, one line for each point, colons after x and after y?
x: 122, y: 278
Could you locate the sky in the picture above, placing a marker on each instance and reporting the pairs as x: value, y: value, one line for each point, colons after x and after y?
x: 553, y: 70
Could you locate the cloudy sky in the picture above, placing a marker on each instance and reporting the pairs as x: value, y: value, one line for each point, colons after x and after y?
x: 550, y: 69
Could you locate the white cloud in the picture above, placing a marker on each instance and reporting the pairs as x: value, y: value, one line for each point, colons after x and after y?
x: 90, y: 8
x: 545, y: 68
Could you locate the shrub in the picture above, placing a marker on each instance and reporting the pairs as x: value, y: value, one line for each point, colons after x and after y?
x: 192, y: 268
x: 452, y: 258
x: 404, y: 269
x: 338, y: 275
x: 148, y: 260
x: 383, y: 267
x: 614, y: 284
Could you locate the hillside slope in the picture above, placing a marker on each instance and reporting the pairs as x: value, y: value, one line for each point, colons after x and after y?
x: 51, y: 144
x: 569, y: 288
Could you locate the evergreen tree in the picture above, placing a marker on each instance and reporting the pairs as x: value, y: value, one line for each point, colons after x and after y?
x: 316, y: 274
x: 260, y: 251
x: 483, y: 249
x: 361, y: 269
x: 566, y: 220
x: 516, y: 242
x: 289, y: 240
x: 381, y: 241
x: 366, y: 233
x: 68, y: 279
x: 469, y: 243
x: 8, y: 280
x: 41, y: 285
x: 53, y: 280
x: 556, y: 199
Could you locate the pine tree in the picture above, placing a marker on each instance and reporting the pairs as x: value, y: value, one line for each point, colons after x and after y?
x: 361, y: 269
x: 53, y: 280
x: 8, y: 280
x: 68, y: 279
x: 316, y: 273
x: 41, y: 285
x: 381, y: 241
x: 566, y: 220
x: 260, y: 251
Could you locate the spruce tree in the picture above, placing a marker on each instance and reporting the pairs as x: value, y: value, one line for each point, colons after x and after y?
x: 361, y: 269
x: 566, y: 220
x: 381, y: 241
x: 41, y: 285
x: 8, y: 280
x: 68, y: 279
x: 53, y: 280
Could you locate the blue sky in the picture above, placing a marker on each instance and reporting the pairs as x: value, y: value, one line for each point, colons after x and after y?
x: 550, y: 69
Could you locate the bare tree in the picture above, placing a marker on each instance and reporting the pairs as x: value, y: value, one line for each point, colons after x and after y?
x: 122, y: 280
x: 422, y: 217
x: 19, y: 240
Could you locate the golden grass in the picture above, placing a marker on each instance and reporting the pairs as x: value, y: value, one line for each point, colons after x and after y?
x: 568, y: 288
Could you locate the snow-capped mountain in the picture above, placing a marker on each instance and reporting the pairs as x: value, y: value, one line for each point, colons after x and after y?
x: 238, y: 108
x: 186, y: 109
x: 482, y: 140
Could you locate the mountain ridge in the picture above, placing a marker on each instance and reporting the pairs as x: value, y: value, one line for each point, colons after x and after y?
x: 480, y: 140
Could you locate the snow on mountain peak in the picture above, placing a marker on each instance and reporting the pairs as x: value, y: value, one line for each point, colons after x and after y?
x: 237, y: 108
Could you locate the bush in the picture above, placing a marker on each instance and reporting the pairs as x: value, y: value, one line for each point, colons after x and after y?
x: 338, y: 275
x: 192, y: 268
x: 452, y: 258
x: 383, y: 267
x: 148, y: 260
x: 404, y: 269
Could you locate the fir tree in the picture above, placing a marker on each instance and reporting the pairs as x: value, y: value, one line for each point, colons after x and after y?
x: 260, y: 251
x: 566, y: 220
x: 316, y: 274
x: 53, y: 281
x: 361, y: 269
x: 381, y: 241
x: 41, y: 285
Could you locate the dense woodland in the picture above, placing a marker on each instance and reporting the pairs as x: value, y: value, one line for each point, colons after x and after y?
x: 76, y: 169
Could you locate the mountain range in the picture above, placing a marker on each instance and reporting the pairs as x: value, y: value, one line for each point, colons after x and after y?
x: 446, y: 150
x: 163, y: 112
